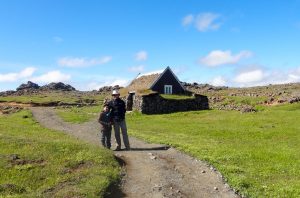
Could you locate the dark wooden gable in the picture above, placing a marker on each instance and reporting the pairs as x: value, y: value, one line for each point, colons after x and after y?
x: 167, y: 78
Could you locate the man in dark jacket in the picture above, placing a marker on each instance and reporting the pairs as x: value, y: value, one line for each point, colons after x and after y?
x: 118, y: 110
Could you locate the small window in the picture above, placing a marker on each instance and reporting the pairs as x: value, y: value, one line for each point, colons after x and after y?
x: 168, y: 89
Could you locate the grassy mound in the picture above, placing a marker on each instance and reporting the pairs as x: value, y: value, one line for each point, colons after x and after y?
x: 258, y: 153
x: 38, y: 162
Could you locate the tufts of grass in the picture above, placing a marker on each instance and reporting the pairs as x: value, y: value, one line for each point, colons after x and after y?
x: 55, y: 97
x: 176, y: 97
x: 38, y: 162
x: 79, y: 114
x: 258, y: 153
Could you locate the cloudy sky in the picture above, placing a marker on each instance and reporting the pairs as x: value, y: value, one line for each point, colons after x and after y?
x: 89, y: 44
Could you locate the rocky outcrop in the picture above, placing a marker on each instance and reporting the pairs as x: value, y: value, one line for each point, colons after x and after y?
x: 195, y: 87
x: 27, y: 86
x: 57, y: 86
x: 109, y: 89
x: 33, y: 88
x: 7, y: 93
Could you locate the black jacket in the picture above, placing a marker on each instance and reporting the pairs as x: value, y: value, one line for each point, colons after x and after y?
x: 105, y: 121
x: 118, y: 109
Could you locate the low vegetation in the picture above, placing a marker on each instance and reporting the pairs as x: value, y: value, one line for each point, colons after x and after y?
x: 38, y: 162
x: 45, y: 98
x: 176, y: 97
x: 79, y: 115
x: 258, y: 153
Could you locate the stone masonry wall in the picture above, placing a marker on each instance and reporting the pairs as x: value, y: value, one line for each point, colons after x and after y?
x: 155, y: 104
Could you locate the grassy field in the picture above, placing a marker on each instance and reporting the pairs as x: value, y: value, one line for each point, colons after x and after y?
x: 176, y: 97
x: 258, y: 153
x: 55, y: 97
x: 79, y: 115
x: 37, y: 162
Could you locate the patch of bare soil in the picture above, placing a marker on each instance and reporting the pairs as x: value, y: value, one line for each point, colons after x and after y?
x: 150, y: 170
x: 8, y: 109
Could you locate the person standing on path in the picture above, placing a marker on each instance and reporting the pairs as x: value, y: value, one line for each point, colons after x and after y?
x: 118, y: 110
x: 105, y: 123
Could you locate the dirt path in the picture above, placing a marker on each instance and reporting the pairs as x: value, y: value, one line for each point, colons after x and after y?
x: 151, y: 170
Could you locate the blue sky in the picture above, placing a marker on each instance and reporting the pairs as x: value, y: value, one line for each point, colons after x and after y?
x: 89, y: 44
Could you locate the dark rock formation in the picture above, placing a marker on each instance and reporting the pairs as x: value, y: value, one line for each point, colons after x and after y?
x: 7, y: 93
x: 57, y: 86
x: 204, y: 87
x: 28, y: 85
x: 108, y: 89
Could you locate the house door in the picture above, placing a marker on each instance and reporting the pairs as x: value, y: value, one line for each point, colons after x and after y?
x: 168, y: 89
x: 129, y: 101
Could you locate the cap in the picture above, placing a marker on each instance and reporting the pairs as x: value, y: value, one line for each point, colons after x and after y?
x: 115, y: 92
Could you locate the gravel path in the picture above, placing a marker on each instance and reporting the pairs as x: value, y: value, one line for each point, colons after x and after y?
x: 151, y: 170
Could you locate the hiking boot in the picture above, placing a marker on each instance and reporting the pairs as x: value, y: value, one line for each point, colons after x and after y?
x: 117, y: 149
x: 127, y: 148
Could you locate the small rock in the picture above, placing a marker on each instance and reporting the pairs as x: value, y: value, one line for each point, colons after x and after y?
x: 203, y: 171
x: 153, y: 157
x: 215, y: 188
x: 119, y: 155
x: 14, y: 157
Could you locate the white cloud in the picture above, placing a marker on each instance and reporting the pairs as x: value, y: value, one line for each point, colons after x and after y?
x: 52, y: 76
x: 108, y: 82
x: 203, y: 22
x: 187, y: 20
x: 219, y: 57
x: 259, y: 77
x: 13, y: 77
x: 83, y: 62
x: 141, y: 56
x: 57, y: 39
x: 250, y: 77
x: 218, y: 81
x: 207, y: 21
x: 138, y: 68
x: 281, y: 77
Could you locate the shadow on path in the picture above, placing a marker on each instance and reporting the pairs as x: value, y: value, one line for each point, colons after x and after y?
x: 115, y: 189
x: 161, y: 148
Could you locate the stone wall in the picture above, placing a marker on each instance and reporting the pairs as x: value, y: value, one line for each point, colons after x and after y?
x: 155, y: 104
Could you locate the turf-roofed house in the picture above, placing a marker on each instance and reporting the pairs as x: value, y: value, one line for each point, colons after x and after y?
x: 162, y: 92
x: 165, y: 82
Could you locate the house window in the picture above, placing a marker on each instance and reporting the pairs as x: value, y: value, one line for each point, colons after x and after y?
x: 168, y: 89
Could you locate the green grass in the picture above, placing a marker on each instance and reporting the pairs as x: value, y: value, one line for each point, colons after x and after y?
x: 51, y: 163
x: 258, y: 153
x: 244, y: 100
x: 79, y: 115
x: 176, y: 97
x: 54, y: 96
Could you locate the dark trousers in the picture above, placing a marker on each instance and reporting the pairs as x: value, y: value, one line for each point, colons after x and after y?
x: 121, y: 125
x: 105, y: 138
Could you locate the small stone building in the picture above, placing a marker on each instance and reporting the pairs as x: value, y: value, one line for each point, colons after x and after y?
x: 165, y: 82
x: 144, y: 94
